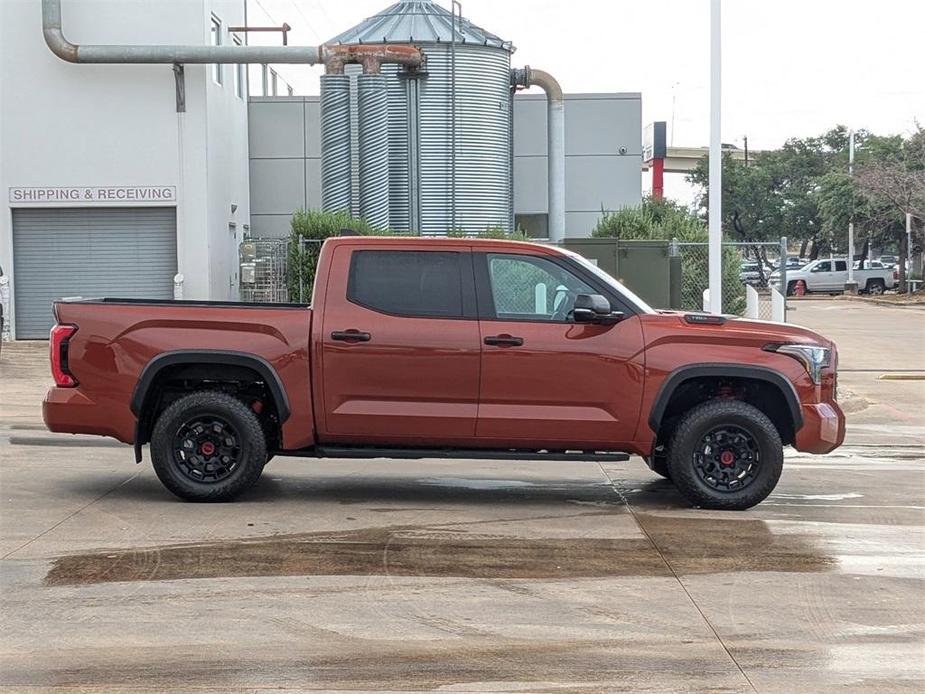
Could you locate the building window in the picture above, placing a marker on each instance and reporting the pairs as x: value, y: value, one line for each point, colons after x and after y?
x: 240, y: 76
x: 536, y: 226
x: 216, y: 41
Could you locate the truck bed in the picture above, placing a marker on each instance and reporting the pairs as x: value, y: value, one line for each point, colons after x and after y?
x: 117, y: 339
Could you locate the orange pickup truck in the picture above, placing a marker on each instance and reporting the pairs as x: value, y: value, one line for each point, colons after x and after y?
x: 462, y: 348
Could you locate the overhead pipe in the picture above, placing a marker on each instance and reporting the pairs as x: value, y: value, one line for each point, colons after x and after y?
x: 333, y: 56
x: 555, y: 142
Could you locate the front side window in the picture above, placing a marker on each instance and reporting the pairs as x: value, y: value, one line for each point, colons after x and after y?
x: 532, y: 288
x: 823, y: 267
x: 407, y: 283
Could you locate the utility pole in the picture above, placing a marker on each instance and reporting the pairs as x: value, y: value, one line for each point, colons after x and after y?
x: 716, y: 162
x: 745, y: 141
x: 851, y: 287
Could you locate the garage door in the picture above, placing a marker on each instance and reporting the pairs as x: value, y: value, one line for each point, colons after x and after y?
x: 119, y: 252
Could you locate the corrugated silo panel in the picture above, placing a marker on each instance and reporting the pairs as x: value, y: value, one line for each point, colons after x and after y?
x: 373, y: 138
x: 336, y: 182
x: 483, y: 132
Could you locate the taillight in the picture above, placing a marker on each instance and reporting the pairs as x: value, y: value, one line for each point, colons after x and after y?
x: 60, y: 335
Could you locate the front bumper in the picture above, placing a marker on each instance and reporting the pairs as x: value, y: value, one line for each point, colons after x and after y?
x: 823, y: 428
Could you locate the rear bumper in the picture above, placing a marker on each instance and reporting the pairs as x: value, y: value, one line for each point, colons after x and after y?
x: 823, y: 428
x: 69, y: 411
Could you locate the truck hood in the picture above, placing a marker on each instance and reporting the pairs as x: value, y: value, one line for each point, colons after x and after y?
x: 671, y: 325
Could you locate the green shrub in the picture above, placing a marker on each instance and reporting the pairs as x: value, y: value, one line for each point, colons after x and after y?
x: 666, y: 220
x: 308, y: 229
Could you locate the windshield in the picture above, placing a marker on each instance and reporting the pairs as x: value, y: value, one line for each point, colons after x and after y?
x: 610, y: 281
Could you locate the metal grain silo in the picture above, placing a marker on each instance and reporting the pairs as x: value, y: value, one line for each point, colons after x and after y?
x: 449, y: 123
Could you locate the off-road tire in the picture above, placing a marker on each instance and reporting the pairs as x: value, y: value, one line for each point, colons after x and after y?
x: 250, y: 461
x: 875, y: 287
x: 689, y: 436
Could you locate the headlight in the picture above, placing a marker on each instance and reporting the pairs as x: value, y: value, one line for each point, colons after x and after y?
x: 813, y: 358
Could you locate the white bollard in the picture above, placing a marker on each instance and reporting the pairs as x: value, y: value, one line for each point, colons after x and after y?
x: 778, y: 306
x: 6, y: 335
x: 706, y: 300
x: 178, y: 286
x: 751, y: 302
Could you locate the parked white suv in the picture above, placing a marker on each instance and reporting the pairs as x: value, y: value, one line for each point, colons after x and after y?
x: 831, y: 274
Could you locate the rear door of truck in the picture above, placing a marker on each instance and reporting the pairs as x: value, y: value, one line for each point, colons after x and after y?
x: 399, y: 345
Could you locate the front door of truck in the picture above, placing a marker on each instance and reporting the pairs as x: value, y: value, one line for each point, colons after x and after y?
x: 400, y: 346
x: 547, y: 381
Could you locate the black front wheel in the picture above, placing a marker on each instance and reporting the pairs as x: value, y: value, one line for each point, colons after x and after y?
x: 725, y: 454
x: 208, y: 446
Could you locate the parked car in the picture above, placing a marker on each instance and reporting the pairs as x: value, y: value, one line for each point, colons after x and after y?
x: 461, y: 348
x: 890, y: 261
x: 831, y: 274
x: 749, y: 273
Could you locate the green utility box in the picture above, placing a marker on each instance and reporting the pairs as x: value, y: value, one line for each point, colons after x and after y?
x: 645, y: 267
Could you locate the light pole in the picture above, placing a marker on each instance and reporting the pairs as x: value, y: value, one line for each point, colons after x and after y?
x: 908, y: 269
x: 716, y: 162
x: 851, y: 286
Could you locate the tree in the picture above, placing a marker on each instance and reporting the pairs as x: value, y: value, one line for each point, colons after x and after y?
x: 667, y: 220
x: 892, y: 183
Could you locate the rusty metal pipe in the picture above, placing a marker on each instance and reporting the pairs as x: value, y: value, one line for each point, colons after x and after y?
x: 371, y: 56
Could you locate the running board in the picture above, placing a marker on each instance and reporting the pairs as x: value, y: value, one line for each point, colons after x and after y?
x: 465, y: 454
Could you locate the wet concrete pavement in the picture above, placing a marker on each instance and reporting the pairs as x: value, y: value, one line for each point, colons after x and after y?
x: 469, y: 576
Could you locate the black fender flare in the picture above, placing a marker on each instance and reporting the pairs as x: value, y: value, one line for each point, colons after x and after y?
x: 757, y: 373
x: 204, y: 356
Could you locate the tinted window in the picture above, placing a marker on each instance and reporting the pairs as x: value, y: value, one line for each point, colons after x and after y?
x: 841, y: 266
x: 407, y: 283
x: 531, y: 288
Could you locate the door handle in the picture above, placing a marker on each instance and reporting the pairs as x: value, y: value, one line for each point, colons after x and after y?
x: 504, y: 341
x: 350, y: 336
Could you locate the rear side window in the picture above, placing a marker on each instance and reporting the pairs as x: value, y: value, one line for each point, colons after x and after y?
x: 841, y: 266
x: 407, y: 283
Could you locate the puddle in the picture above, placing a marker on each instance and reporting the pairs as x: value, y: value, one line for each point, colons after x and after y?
x: 691, y: 545
x: 485, y: 484
x: 818, y: 497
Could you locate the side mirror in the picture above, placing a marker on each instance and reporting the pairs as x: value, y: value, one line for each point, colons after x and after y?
x: 594, y: 308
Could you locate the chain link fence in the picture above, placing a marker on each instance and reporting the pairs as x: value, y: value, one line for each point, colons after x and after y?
x: 755, y: 264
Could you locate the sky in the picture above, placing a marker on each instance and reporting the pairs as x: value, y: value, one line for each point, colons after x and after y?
x: 790, y: 68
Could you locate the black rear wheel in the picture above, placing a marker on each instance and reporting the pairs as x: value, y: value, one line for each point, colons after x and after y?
x: 725, y: 454
x: 208, y: 446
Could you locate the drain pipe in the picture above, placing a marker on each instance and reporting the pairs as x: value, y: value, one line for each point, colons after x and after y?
x: 555, y: 143
x: 409, y: 56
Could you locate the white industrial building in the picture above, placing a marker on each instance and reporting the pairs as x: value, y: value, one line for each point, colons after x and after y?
x: 119, y: 177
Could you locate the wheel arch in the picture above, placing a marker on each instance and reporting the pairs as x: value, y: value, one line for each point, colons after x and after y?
x: 740, y: 372
x: 146, y: 390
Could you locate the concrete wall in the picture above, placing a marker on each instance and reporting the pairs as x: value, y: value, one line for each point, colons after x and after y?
x: 285, y: 158
x: 284, y: 135
x: 597, y: 174
x: 116, y: 125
